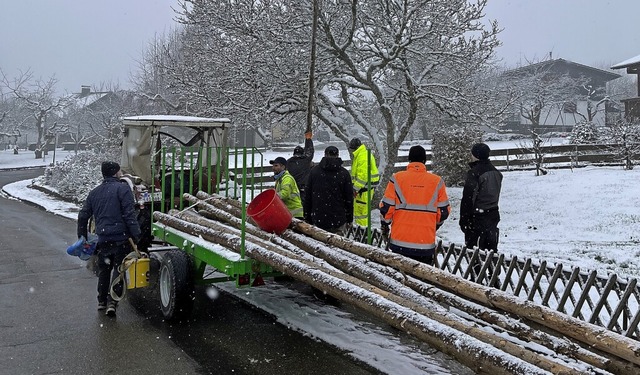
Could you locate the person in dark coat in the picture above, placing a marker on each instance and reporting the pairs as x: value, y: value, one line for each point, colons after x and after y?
x: 300, y: 164
x: 479, y: 211
x: 113, y: 207
x: 329, y: 194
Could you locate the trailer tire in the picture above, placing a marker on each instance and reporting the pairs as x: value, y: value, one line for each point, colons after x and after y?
x: 175, y: 285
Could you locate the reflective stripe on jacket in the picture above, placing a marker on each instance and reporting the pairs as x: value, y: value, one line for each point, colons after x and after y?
x: 413, y: 203
x: 287, y: 190
x: 360, y: 167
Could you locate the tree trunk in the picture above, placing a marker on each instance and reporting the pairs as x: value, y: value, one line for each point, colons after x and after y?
x: 589, y: 334
x: 391, y: 281
x: 467, y: 350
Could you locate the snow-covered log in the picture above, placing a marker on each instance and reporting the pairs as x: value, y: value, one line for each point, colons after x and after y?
x: 389, y: 288
x: 592, y: 335
x: 219, y: 208
x: 468, y: 350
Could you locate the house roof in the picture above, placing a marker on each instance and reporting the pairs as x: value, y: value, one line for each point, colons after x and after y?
x: 561, y: 65
x: 627, y: 63
x: 87, y: 100
x: 174, y: 120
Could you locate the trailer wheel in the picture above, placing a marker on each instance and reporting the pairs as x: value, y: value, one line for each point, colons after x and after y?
x: 176, y: 285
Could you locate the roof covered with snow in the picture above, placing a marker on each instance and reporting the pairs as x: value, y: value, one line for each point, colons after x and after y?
x: 563, y: 66
x: 627, y: 63
x: 174, y: 120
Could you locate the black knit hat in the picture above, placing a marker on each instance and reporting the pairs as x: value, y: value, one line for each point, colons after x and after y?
x: 480, y: 151
x: 354, y: 144
x: 332, y: 152
x: 417, y: 153
x: 298, y: 151
x: 109, y: 168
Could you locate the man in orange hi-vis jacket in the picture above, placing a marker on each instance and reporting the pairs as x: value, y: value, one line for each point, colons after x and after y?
x: 415, y: 204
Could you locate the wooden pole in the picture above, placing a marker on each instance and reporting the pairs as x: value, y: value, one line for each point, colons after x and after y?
x: 592, y: 335
x: 468, y: 350
x: 380, y: 278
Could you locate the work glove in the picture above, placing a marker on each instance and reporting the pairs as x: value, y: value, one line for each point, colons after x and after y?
x: 308, y: 135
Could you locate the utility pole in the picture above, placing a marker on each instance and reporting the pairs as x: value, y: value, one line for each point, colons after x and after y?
x: 312, y: 66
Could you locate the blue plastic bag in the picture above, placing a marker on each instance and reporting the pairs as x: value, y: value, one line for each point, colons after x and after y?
x: 82, y: 248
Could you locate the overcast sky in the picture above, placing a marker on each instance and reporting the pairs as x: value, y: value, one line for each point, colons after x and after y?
x: 591, y: 32
x: 82, y: 42
x: 87, y: 42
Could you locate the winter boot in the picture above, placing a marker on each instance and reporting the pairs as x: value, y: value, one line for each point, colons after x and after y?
x: 111, y: 308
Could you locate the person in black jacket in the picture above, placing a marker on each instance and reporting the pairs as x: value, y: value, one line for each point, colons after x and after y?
x: 329, y: 194
x: 479, y: 212
x: 113, y: 207
x: 300, y: 164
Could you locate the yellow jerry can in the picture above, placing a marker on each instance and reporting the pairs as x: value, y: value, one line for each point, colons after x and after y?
x: 138, y: 274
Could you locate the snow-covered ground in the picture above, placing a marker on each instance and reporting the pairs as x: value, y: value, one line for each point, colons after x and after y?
x: 586, y: 217
x: 25, y: 158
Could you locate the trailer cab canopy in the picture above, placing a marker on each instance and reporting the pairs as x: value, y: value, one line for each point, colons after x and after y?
x: 144, y: 136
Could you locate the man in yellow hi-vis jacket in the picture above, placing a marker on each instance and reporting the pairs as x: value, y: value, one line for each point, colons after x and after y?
x: 363, y: 167
x: 286, y: 187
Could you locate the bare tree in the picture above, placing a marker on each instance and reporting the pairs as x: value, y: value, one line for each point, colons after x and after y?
x: 12, y: 117
x: 624, y: 137
x: 39, y: 98
x: 543, y: 92
x: 154, y: 78
x: 379, y: 64
x: 397, y: 58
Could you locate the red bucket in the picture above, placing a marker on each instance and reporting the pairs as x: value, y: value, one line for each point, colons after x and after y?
x: 269, y: 212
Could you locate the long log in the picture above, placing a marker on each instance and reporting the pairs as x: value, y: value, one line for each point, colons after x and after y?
x: 233, y: 206
x: 397, y: 293
x: 522, y: 331
x: 467, y: 350
x: 590, y: 334
x: 272, y: 244
x: 560, y: 345
x: 379, y: 276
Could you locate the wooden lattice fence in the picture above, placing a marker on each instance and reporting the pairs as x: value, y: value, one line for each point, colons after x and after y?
x: 610, y: 302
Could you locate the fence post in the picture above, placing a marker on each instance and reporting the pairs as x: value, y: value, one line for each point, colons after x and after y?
x: 508, y: 160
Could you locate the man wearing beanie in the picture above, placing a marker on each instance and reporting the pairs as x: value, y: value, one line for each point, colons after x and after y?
x: 479, y: 214
x: 415, y: 204
x: 329, y: 196
x: 299, y: 165
x: 112, y: 206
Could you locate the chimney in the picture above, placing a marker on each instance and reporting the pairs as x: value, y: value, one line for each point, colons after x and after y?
x: 85, y: 91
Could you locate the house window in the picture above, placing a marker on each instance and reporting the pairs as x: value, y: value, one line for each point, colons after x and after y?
x: 569, y: 107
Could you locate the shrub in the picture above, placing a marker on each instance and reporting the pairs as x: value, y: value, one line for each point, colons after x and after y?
x: 584, y: 132
x: 78, y: 174
x: 451, y: 150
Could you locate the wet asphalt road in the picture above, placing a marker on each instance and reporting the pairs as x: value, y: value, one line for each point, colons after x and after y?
x: 49, y: 323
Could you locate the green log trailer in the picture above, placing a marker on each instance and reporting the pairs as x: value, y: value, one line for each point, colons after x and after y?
x: 163, y: 158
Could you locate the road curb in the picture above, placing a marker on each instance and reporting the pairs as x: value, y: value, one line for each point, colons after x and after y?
x: 31, y: 203
x: 37, y: 205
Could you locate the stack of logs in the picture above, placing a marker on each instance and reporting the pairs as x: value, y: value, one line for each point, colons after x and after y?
x: 483, y: 328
